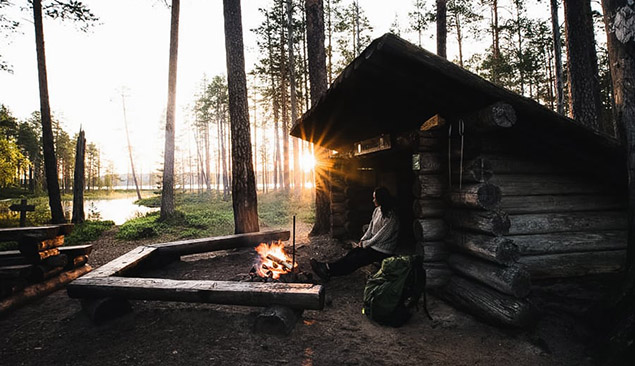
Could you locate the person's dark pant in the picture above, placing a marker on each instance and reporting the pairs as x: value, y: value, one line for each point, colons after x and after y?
x: 354, y: 259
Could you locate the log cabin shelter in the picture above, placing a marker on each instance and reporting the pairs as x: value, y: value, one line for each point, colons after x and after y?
x: 497, y: 191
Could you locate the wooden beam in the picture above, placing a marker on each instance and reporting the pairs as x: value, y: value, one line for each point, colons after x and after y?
x: 511, y: 280
x: 124, y: 263
x: 498, y: 249
x: 524, y: 185
x: 486, y: 303
x: 429, y: 207
x: 487, y: 222
x: 495, y: 116
x: 429, y: 229
x: 574, y: 264
x: 41, y: 289
x: 185, y: 247
x: 563, y: 222
x: 569, y: 242
x: 294, y: 295
x: 560, y: 203
x: 426, y: 186
x: 481, y: 196
x: 76, y: 250
x: 39, y: 232
x: 30, y: 247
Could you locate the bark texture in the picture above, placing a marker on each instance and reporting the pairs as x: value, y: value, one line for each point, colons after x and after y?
x: 50, y: 162
x: 244, y: 198
x: 317, y: 77
x: 167, y: 195
x: 584, y: 88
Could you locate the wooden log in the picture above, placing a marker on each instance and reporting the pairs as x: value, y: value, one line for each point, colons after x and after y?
x: 434, y: 251
x: 41, y: 272
x: 574, y: 264
x: 569, y: 242
x: 563, y: 222
x: 525, y: 185
x: 506, y: 164
x: 426, y: 186
x: 56, y: 261
x: 429, y: 229
x: 497, y: 249
x: 511, y: 280
x: 429, y: 207
x: 495, y: 116
x: 338, y: 207
x: 338, y: 219
x: 76, y: 262
x: 104, y: 309
x: 337, y: 197
x: 437, y: 274
x: 277, y: 320
x: 30, y: 246
x: 560, y: 203
x: 428, y: 143
x: 12, y: 258
x: 475, y: 170
x: 487, y: 222
x: 40, y: 256
x: 40, y: 232
x: 76, y: 250
x: 426, y: 163
x: 294, y: 295
x: 185, y: 247
x: 15, y: 271
x: 487, y: 304
x: 41, y: 289
x: 125, y: 263
x: 482, y: 196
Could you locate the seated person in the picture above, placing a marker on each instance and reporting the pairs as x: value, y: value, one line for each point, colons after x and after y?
x: 378, y: 242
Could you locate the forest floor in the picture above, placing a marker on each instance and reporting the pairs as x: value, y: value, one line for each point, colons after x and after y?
x: 55, y: 331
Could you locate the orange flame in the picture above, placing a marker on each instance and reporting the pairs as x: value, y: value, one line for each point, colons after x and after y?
x: 273, y: 260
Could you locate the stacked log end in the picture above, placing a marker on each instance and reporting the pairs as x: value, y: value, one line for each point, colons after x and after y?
x: 429, y: 206
x: 41, y: 265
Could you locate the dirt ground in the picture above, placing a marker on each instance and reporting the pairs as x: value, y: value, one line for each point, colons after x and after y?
x: 55, y: 331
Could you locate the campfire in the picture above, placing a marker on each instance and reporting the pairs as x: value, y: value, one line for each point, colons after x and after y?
x: 273, y: 261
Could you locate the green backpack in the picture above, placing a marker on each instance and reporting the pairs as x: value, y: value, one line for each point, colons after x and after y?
x: 391, y: 294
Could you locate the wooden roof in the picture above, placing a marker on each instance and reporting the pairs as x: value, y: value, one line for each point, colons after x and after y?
x: 395, y: 86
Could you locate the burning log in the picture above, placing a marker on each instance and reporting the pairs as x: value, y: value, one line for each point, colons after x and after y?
x: 281, y: 262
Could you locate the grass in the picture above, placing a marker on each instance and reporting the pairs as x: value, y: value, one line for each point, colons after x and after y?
x: 206, y: 214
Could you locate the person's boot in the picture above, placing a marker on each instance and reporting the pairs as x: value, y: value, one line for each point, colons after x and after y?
x: 320, y: 269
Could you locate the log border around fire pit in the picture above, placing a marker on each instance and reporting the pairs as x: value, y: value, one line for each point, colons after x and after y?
x: 109, y: 281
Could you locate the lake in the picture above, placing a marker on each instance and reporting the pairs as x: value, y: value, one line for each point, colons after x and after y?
x: 118, y: 210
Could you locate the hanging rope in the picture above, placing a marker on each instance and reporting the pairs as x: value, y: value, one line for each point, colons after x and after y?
x: 462, y: 134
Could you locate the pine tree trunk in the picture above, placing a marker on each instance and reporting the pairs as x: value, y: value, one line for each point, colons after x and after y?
x: 167, y: 194
x: 584, y: 88
x: 442, y: 29
x: 50, y: 163
x: 317, y: 75
x: 78, y: 181
x: 557, y: 51
x: 284, y: 75
x: 293, y: 96
x: 244, y: 198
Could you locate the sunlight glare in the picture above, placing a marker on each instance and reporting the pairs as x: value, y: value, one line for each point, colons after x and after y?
x: 307, y: 162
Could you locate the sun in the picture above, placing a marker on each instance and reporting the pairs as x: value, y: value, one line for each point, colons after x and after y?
x: 307, y: 162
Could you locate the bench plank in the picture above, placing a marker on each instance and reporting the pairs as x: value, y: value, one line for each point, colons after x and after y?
x: 294, y: 295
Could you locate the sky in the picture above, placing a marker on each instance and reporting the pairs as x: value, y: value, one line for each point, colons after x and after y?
x: 127, y: 54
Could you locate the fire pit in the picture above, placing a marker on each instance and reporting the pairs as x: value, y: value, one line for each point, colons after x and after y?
x: 273, y: 264
x: 108, y: 281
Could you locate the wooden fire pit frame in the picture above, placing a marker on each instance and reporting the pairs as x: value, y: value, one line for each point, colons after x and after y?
x: 108, y: 281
